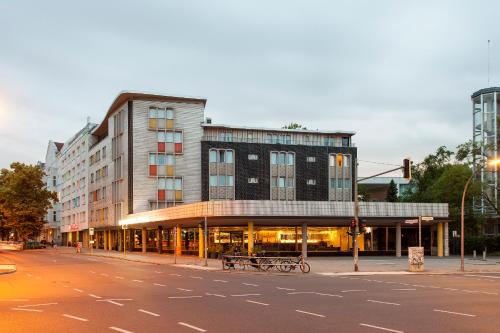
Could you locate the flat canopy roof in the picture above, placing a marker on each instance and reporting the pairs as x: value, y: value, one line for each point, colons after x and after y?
x: 485, y: 91
x: 289, y: 130
x: 267, y: 212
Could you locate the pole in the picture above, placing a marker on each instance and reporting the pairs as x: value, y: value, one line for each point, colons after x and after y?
x: 124, y: 242
x: 205, y: 241
x: 462, y: 228
x: 175, y: 245
x: 420, y: 231
x: 356, y: 217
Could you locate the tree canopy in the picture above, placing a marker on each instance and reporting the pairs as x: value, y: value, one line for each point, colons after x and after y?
x: 24, y: 200
x: 392, y: 192
x: 293, y: 125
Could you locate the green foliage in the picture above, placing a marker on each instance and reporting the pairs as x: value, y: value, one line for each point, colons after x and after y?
x: 478, y: 243
x: 293, y: 125
x: 363, y: 194
x: 24, y: 200
x: 392, y: 192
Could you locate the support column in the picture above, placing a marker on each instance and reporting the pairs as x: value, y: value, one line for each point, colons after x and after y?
x: 398, y: 239
x: 386, y: 238
x: 178, y: 237
x: 431, y: 227
x: 105, y: 236
x: 250, y: 238
x: 440, y: 239
x: 120, y: 240
x: 446, y: 240
x: 159, y: 237
x: 110, y: 240
x: 304, y: 240
x: 201, y: 243
x: 144, y: 236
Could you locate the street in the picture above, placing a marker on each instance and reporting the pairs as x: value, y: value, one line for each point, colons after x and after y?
x: 53, y: 292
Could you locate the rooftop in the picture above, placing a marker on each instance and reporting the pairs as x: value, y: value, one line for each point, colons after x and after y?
x: 485, y: 91
x: 266, y: 129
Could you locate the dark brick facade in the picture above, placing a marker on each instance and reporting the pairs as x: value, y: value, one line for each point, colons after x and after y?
x: 260, y: 169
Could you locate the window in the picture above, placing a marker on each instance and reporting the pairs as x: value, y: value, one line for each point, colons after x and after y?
x: 253, y: 157
x: 253, y: 180
x: 152, y: 159
x: 291, y: 159
x: 274, y: 158
x: 104, y: 152
x: 229, y: 156
x: 170, y: 114
x: 345, y: 142
x: 281, y: 182
x: 333, y: 183
x: 290, y: 182
x: 339, y: 183
x: 230, y: 180
x: 54, y: 180
x: 346, y: 161
x: 54, y: 216
x: 282, y: 158
x: 213, y: 180
x: 311, y: 182
x: 222, y: 180
x: 212, y: 156
x: 311, y: 159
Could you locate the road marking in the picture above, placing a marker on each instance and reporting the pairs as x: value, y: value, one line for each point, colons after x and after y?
x: 470, y: 291
x: 159, y: 284
x: 243, y: 295
x: 75, y: 317
x: 254, y: 302
x: 250, y: 284
x: 22, y: 309
x: 196, y: 277
x: 185, y: 296
x: 192, y: 327
x: 175, y: 274
x: 79, y: 290
x: 149, y: 313
x: 104, y: 274
x: 418, y: 285
x: 456, y: 313
x: 288, y: 289
x: 119, y: 277
x: 404, y: 289
x: 112, y: 300
x: 311, y: 313
x: 452, y: 289
x: 92, y: 272
x: 485, y: 276
x: 95, y: 296
x: 312, y: 292
x: 331, y: 295
x: 352, y: 290
x: 159, y: 272
x: 140, y: 281
x: 119, y: 329
x: 381, y: 328
x: 33, y: 305
x: 373, y: 301
x: 182, y: 289
x: 434, y: 287
x: 216, y: 295
x: 488, y: 293
x: 223, y: 281
x: 66, y: 286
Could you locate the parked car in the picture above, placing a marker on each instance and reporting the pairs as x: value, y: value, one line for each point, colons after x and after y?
x: 34, y: 245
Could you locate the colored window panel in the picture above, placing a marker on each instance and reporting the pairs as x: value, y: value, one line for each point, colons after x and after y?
x: 229, y: 156
x: 212, y: 156
x: 161, y: 147
x: 161, y: 195
x: 170, y: 170
x: 152, y: 159
x: 170, y: 124
x: 170, y: 160
x: 178, y: 195
x: 169, y: 184
x: 161, y: 159
x: 178, y: 184
x: 152, y: 170
x: 178, y: 148
x: 153, y: 123
x: 170, y: 114
x: 152, y: 113
x: 161, y: 123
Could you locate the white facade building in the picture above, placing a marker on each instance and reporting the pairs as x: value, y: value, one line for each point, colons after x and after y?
x: 51, y: 230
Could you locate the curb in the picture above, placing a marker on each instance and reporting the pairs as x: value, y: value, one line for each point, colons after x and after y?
x: 7, y: 268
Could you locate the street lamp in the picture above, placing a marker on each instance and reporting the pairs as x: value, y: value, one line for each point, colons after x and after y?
x: 462, y: 227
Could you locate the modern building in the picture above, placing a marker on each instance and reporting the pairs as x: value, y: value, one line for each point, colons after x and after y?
x: 157, y: 169
x: 485, y: 113
x: 376, y: 187
x: 51, y: 231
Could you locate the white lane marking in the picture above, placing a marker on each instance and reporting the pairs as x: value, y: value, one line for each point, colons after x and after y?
x: 312, y: 292
x: 175, y: 274
x: 159, y: 284
x: 311, y: 313
x: 159, y: 272
x: 404, y: 289
x: 470, y: 291
x: 192, y: 327
x: 79, y: 290
x: 92, y: 272
x: 455, y: 313
x: 140, y: 281
x: 352, y: 290
x: 381, y: 328
x: 391, y: 282
x: 185, y: 296
x: 33, y: 305
x: 488, y: 293
x: 119, y: 329
x: 182, y: 289
x: 196, y: 277
x: 216, y: 295
x: 331, y: 295
x: 22, y: 309
x: 223, y: 281
x: 254, y: 302
x: 104, y: 274
x: 452, y: 289
x: 250, y: 284
x: 434, y: 287
x: 75, y: 317
x: 66, y: 286
x: 149, y: 313
x: 288, y: 289
x: 485, y: 276
x: 112, y: 300
x: 95, y: 296
x: 381, y: 302
x: 119, y: 277
x: 418, y: 285
x: 243, y: 295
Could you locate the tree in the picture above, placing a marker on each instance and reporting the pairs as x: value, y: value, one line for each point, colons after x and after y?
x: 293, y: 125
x: 392, y: 192
x: 24, y: 200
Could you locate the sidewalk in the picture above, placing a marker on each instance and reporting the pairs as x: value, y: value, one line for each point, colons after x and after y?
x: 319, y: 265
x: 6, y: 266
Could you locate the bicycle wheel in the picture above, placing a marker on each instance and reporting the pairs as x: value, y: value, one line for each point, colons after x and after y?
x: 305, y: 268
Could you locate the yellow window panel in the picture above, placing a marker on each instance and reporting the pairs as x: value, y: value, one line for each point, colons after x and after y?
x: 339, y: 160
x: 170, y: 123
x: 170, y: 170
x: 153, y: 123
x: 178, y: 195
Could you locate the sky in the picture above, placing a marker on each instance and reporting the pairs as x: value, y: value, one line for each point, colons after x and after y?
x: 398, y: 73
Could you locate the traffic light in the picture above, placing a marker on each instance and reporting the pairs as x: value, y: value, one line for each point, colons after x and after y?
x: 407, y: 168
x: 353, y: 223
x: 362, y: 227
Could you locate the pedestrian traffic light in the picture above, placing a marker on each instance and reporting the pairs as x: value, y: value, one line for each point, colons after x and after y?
x: 407, y: 168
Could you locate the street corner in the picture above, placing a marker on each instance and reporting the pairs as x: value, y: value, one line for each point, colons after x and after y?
x: 7, y: 268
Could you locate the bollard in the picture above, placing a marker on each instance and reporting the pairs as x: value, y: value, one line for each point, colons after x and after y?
x: 474, y: 254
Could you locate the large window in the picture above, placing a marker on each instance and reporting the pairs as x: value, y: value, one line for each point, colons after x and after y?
x: 170, y: 189
x: 161, y: 118
x: 170, y: 142
x: 161, y: 164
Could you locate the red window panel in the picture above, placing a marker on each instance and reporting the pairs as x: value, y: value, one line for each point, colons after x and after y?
x: 178, y: 148
x: 152, y: 170
x: 161, y: 195
x: 161, y: 147
x: 94, y: 196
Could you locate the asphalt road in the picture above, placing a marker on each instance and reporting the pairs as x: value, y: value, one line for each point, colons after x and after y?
x: 52, y: 292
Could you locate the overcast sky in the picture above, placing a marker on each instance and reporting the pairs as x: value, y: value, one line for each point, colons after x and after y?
x: 399, y: 74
